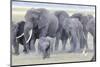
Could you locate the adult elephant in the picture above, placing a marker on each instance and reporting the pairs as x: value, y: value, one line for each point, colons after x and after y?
x: 14, y: 28
x: 64, y: 31
x: 74, y: 30
x: 17, y: 36
x: 61, y: 34
x: 92, y: 30
x: 46, y: 22
x: 84, y: 19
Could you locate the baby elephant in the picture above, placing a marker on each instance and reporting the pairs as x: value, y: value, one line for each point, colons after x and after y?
x: 44, y: 47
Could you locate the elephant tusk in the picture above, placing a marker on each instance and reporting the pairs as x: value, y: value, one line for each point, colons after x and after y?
x: 20, y: 36
x: 29, y: 36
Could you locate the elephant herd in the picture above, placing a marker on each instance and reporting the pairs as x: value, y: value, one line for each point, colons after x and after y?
x: 40, y: 24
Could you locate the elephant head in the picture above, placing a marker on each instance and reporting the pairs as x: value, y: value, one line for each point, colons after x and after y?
x: 61, y: 15
x: 82, y: 18
x: 31, y: 15
x: 36, y: 16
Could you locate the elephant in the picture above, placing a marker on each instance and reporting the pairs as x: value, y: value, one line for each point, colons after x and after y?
x: 17, y: 36
x: 14, y: 28
x: 92, y: 30
x: 46, y: 23
x: 74, y: 31
x: 44, y: 48
x: 84, y: 19
x: 61, y: 34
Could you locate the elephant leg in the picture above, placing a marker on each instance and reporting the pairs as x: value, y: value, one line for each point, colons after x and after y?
x: 58, y: 37
x: 82, y: 39
x: 26, y: 36
x: 64, y: 44
x: 64, y: 38
x: 75, y: 45
x: 56, y: 43
x: 84, y: 45
x: 94, y: 45
x: 16, y: 47
x: 32, y: 44
x: 25, y: 48
x: 46, y: 52
x: 52, y: 45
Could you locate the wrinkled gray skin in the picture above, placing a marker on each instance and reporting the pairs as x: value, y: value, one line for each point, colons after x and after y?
x: 91, y: 28
x: 88, y: 23
x: 16, y: 30
x: 13, y: 37
x: 61, y: 15
x: 46, y: 22
x: 84, y: 20
x: 44, y: 47
x: 64, y: 32
x: 74, y: 30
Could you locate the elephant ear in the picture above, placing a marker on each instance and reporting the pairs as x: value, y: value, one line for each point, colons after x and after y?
x: 43, y: 21
x: 31, y: 14
x: 84, y: 20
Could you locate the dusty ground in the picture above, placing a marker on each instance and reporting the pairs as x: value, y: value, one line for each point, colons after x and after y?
x: 35, y: 58
x: 54, y: 58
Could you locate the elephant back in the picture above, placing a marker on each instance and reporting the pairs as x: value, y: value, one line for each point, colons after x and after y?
x: 61, y: 15
x: 77, y: 15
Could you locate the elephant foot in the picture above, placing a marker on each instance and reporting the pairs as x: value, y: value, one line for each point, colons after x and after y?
x: 16, y: 53
x: 64, y: 49
x: 25, y: 51
x: 74, y: 51
x: 33, y: 50
x: 46, y: 56
x: 71, y: 51
x: 56, y: 48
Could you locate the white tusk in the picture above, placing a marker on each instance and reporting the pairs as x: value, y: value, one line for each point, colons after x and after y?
x: 20, y: 35
x: 29, y: 36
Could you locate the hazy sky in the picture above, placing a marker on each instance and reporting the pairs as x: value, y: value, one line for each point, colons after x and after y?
x: 54, y: 6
